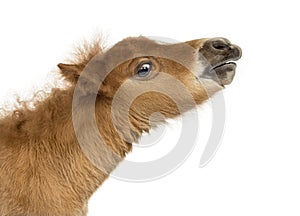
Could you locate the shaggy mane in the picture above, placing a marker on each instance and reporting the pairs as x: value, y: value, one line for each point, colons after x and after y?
x: 17, y: 107
x: 84, y: 52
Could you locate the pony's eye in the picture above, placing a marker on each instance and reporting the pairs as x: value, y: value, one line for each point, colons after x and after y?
x: 144, y: 70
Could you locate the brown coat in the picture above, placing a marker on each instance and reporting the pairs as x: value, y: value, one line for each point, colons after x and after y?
x: 45, y: 170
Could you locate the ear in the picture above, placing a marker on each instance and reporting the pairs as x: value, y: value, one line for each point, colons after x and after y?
x: 70, y: 72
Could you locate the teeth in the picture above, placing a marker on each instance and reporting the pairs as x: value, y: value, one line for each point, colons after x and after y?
x: 222, y: 64
x: 210, y: 71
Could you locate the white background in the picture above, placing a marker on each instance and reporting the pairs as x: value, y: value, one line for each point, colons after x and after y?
x: 256, y: 170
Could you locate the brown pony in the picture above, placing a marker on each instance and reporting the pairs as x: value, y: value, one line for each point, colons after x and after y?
x: 55, y: 155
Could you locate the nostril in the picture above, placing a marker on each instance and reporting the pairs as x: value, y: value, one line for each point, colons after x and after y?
x: 220, y: 45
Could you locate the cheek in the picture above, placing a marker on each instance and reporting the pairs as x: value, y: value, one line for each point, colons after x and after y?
x: 190, y: 90
x: 151, y: 103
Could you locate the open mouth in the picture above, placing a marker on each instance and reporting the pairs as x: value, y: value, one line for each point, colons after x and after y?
x: 218, y: 56
x: 222, y: 73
